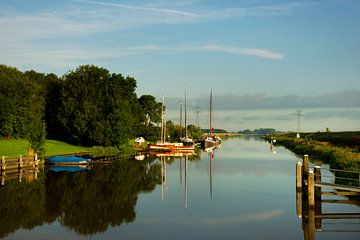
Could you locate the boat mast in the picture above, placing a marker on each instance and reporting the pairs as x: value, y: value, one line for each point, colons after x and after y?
x: 211, y: 127
x: 181, y: 120
x: 162, y: 139
x: 185, y: 114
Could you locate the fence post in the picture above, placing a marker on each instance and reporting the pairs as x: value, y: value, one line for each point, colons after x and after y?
x: 3, y: 180
x: 21, y: 163
x: 36, y: 159
x: 311, y: 194
x: 3, y: 163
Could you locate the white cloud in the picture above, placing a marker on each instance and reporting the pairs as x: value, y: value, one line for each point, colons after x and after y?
x: 243, y: 51
x: 150, y: 9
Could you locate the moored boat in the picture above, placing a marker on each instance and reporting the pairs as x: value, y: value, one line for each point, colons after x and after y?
x: 68, y: 160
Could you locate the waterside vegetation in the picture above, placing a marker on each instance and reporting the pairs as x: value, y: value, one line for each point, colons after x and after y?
x: 337, y: 149
x: 87, y: 107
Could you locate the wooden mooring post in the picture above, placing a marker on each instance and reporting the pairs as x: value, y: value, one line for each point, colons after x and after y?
x: 299, y: 192
x: 311, y: 189
x: 305, y: 164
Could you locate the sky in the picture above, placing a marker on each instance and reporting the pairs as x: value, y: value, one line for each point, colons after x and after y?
x: 253, y: 54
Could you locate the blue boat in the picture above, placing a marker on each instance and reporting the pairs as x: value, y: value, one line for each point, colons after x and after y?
x: 68, y: 160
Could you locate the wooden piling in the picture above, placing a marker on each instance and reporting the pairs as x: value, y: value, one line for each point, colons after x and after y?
x: 318, y: 203
x: 311, y: 193
x: 306, y: 163
x: 299, y: 175
x: 299, y: 181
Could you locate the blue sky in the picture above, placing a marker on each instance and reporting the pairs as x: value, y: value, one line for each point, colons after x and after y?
x: 240, y: 49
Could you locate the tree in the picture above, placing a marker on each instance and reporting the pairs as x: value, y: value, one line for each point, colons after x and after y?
x: 97, y: 107
x: 151, y: 109
x: 194, y: 131
x: 22, y: 106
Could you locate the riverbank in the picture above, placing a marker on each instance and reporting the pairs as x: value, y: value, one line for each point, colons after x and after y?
x: 337, y: 149
x: 16, y: 147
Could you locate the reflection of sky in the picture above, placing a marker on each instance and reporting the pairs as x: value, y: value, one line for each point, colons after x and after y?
x: 253, y: 197
x: 313, y: 119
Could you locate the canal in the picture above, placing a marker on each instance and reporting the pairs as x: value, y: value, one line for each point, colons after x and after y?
x: 243, y: 190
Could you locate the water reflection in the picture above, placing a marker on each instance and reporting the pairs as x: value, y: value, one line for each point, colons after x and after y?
x: 86, y: 202
x: 240, y: 191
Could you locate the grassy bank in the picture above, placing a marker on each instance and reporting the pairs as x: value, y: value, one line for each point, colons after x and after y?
x: 15, y: 147
x: 337, y: 154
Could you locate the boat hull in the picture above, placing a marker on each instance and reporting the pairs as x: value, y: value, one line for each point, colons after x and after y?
x: 68, y: 160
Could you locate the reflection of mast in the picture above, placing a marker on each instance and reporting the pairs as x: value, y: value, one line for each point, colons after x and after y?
x: 180, y: 174
x: 211, y: 159
x: 186, y: 187
x: 163, y: 176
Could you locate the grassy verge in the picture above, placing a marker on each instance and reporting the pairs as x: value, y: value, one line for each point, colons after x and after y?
x: 15, y: 147
x: 338, y: 157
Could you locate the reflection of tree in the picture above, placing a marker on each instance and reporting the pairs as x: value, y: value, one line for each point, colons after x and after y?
x: 21, y: 205
x: 89, y: 201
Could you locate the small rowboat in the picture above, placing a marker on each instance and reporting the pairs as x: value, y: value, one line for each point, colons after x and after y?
x: 68, y: 160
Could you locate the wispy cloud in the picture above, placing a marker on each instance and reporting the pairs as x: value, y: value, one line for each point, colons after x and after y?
x: 131, y: 7
x: 244, y: 51
x: 70, y: 56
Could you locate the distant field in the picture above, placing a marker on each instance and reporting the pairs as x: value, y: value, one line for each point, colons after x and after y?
x: 342, y: 139
x: 15, y: 147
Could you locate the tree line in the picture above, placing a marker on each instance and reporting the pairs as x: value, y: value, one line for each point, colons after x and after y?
x: 86, y: 106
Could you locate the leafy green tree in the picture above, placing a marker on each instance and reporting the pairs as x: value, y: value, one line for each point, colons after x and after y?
x: 22, y: 106
x: 97, y: 107
x: 194, y: 131
x: 151, y: 109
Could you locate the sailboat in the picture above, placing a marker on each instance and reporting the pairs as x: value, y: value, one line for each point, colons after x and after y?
x: 187, y: 142
x: 211, y: 140
x: 162, y: 145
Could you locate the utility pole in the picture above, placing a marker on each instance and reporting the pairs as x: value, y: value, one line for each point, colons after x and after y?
x: 298, y: 129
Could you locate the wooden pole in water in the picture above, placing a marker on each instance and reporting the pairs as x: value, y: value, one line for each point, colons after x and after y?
x: 311, y: 219
x: 306, y: 163
x: 299, y: 189
x: 299, y: 175
x: 318, y: 204
x: 311, y: 194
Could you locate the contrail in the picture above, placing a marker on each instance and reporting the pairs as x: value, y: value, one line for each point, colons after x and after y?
x: 161, y: 10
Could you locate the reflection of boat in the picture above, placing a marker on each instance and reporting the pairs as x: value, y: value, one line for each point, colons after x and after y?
x: 211, y: 139
x: 172, y: 153
x: 140, y: 157
x: 68, y: 160
x: 67, y: 168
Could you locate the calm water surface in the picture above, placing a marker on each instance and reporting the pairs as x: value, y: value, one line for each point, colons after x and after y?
x: 245, y: 192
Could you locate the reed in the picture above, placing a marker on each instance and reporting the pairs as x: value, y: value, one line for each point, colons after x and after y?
x: 338, y: 157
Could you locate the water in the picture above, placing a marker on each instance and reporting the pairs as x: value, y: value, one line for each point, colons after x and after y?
x: 245, y: 192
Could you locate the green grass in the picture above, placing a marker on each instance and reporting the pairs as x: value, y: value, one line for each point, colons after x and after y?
x: 15, y: 147
x: 53, y: 147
